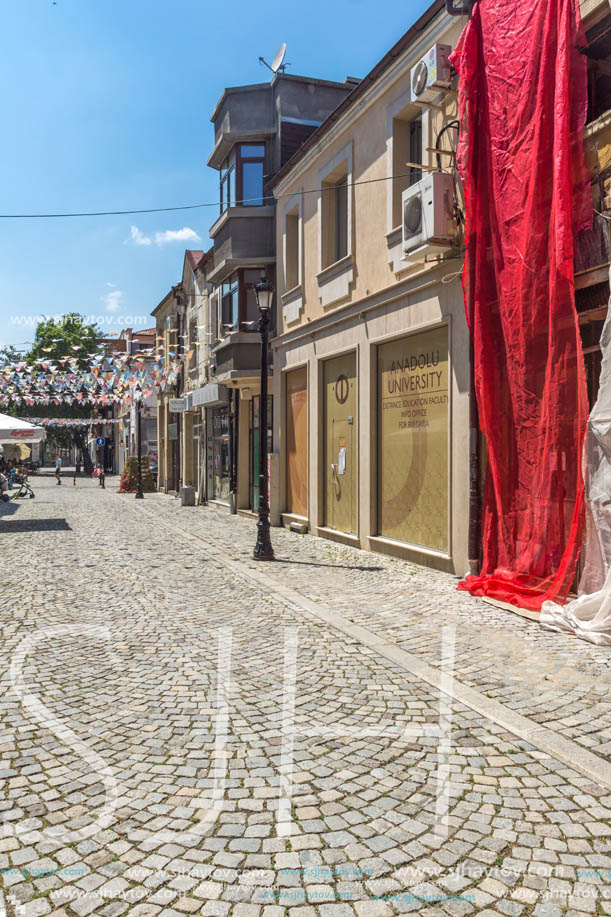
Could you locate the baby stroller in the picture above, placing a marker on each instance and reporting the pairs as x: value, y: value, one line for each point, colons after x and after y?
x: 24, y: 489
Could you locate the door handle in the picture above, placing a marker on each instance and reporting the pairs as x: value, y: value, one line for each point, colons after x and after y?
x: 335, y: 477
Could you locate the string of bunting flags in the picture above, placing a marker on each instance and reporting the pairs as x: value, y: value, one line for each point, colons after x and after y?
x: 70, y: 421
x: 109, y: 380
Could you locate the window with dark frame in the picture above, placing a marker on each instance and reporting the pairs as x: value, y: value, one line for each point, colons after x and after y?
x: 291, y: 250
x: 341, y: 218
x: 415, y: 149
x: 193, y: 344
x: 252, y: 161
x: 227, y: 179
x: 334, y: 242
x: 230, y: 302
x: 407, y: 147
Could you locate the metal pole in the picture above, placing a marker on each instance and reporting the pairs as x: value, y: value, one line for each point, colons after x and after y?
x: 263, y: 548
x: 233, y: 457
x: 139, y: 491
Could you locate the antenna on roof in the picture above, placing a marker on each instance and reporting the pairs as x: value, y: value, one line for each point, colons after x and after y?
x: 277, y: 65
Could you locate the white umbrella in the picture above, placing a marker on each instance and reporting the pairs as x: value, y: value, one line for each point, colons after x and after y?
x: 18, y: 431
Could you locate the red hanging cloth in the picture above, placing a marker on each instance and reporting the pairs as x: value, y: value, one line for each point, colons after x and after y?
x: 523, y: 102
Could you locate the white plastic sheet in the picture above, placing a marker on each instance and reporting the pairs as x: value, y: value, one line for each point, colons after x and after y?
x: 589, y: 616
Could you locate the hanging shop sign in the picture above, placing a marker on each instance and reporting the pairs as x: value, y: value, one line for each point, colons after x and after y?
x: 176, y: 405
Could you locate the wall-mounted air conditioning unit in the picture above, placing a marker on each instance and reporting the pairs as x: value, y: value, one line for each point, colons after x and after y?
x: 429, y: 225
x: 432, y: 74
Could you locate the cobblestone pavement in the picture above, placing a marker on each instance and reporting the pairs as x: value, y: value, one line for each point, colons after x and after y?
x: 555, y: 679
x: 140, y: 668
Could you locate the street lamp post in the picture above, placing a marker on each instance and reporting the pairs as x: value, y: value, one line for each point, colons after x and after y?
x: 139, y: 491
x: 263, y: 548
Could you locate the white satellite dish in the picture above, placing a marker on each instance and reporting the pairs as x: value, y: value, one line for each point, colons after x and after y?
x: 279, y: 57
x: 278, y: 63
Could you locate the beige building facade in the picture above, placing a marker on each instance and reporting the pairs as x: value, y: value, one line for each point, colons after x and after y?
x: 371, y: 361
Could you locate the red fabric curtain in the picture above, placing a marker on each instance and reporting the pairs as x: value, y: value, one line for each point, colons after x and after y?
x: 523, y: 101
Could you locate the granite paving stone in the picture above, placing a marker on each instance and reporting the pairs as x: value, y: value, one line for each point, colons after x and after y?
x: 139, y: 609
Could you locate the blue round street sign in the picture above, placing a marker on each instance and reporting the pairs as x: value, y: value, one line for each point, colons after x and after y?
x: 100, y: 441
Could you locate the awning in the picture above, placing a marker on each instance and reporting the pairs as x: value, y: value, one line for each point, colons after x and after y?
x: 18, y: 431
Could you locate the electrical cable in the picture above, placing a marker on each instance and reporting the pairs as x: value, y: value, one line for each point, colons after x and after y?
x: 113, y: 213
x: 456, y: 125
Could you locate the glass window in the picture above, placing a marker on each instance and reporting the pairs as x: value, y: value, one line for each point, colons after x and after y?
x: 227, y: 178
x: 230, y: 303
x: 252, y: 150
x: 252, y: 184
x: 415, y: 149
x: 251, y: 166
x: 291, y: 252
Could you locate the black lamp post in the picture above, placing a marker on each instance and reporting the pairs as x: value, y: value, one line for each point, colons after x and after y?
x: 263, y: 548
x: 138, y: 395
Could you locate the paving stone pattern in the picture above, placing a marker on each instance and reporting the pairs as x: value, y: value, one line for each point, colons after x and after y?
x: 557, y: 680
x: 526, y: 834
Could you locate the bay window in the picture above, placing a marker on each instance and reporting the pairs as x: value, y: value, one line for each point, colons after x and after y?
x: 230, y: 302
x: 241, y: 176
x: 228, y: 183
x: 252, y: 158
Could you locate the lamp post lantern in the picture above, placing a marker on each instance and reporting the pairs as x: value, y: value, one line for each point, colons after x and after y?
x: 263, y: 548
x: 138, y: 395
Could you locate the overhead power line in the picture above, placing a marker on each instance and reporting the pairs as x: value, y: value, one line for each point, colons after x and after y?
x: 246, y: 201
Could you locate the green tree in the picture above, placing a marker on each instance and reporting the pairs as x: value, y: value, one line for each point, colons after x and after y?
x: 71, y: 337
x: 9, y: 354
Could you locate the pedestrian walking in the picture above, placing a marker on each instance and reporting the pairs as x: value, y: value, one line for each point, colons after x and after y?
x: 58, y: 469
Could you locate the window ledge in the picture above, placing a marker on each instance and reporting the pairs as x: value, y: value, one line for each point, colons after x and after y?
x: 394, y: 236
x: 334, y: 281
x: 292, y: 294
x: 335, y: 269
x: 292, y: 305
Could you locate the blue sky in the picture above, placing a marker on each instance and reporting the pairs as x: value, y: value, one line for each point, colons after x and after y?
x: 106, y: 106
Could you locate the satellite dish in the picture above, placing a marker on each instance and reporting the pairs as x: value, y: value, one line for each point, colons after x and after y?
x: 278, y: 62
x: 279, y: 58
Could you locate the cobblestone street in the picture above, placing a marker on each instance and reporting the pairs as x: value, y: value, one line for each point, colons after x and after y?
x: 185, y: 731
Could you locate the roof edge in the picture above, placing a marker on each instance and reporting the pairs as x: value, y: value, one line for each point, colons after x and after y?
x: 377, y: 71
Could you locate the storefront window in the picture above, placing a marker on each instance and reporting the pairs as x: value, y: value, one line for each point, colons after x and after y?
x: 413, y: 391
x: 219, y: 454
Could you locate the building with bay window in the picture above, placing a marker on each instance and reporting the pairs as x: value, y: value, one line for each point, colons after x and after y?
x: 256, y: 130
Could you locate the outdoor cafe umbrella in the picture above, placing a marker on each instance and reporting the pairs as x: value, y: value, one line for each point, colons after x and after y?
x: 18, y: 431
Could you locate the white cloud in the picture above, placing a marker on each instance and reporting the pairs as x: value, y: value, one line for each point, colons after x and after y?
x: 177, y: 235
x: 112, y: 300
x: 138, y: 238
x: 186, y: 234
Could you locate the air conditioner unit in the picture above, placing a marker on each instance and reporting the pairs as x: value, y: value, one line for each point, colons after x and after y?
x: 431, y: 75
x: 429, y: 225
